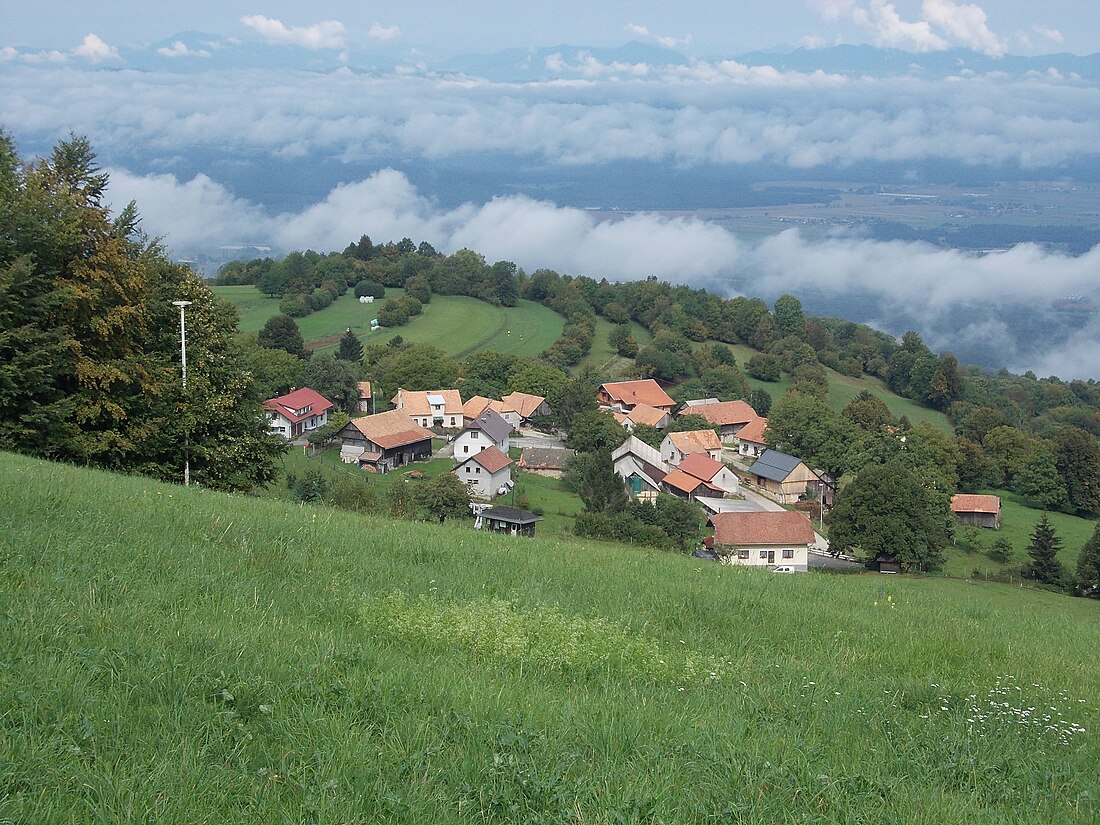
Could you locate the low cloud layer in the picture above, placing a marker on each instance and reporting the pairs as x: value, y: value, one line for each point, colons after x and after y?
x: 910, y: 285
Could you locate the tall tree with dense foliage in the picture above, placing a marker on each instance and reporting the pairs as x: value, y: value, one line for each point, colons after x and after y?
x: 1087, y: 578
x: 1077, y: 457
x: 281, y: 332
x: 887, y: 510
x: 1043, y: 564
x: 90, y: 341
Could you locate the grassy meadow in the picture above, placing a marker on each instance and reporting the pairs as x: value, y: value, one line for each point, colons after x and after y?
x: 181, y: 656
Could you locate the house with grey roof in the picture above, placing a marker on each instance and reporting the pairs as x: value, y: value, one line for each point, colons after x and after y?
x: 784, y: 477
x: 489, y: 429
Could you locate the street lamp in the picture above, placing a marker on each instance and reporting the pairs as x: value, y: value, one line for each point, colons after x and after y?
x: 183, y: 359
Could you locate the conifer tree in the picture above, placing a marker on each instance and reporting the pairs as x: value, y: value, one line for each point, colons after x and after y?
x: 351, y: 348
x: 1044, y: 565
x: 1088, y: 567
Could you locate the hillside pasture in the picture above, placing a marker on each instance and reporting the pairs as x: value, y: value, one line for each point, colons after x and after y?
x: 175, y: 655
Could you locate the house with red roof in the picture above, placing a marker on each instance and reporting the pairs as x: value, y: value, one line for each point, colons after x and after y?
x: 750, y: 438
x: 385, y: 441
x: 643, y: 414
x: 677, y: 446
x: 981, y: 511
x: 297, y: 412
x: 763, y: 539
x: 486, y: 472
x: 715, y: 473
x: 729, y: 416
x: 623, y: 396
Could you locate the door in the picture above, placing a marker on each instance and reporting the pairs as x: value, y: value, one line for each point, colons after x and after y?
x: 771, y: 557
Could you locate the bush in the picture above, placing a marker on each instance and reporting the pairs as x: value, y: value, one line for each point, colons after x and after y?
x: 294, y: 306
x: 370, y: 288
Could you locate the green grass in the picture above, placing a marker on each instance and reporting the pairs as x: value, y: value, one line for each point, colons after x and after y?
x: 558, y: 506
x: 456, y: 324
x: 180, y: 656
x: 606, y: 361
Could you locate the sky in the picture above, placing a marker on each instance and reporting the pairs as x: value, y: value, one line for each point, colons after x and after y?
x: 706, y: 29
x: 261, y: 151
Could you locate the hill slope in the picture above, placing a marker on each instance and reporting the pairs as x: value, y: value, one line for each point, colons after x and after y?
x: 178, y: 655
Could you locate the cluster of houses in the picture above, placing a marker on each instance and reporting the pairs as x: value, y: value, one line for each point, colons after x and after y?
x: 688, y: 464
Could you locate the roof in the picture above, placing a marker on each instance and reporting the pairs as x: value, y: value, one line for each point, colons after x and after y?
x: 723, y: 413
x: 782, y: 527
x: 492, y: 424
x: 695, y: 441
x: 687, y: 482
x: 701, y: 466
x: 753, y: 431
x: 390, y: 429
x: 645, y: 414
x: 415, y: 402
x: 298, y: 405
x: 512, y: 515
x: 635, y: 446
x: 523, y: 403
x: 479, y: 404
x: 544, y: 458
x: 774, y: 465
x: 365, y: 391
x: 965, y: 503
x: 491, y: 458
x: 632, y: 393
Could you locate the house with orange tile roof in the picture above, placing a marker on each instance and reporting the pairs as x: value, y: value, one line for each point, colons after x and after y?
x: 431, y: 408
x: 624, y: 396
x: 981, y: 511
x: 366, y: 397
x: 643, y: 414
x: 750, y: 438
x: 385, y: 441
x: 297, y: 412
x: 713, y: 472
x: 728, y: 416
x: 486, y: 472
x: 763, y: 539
x: 521, y: 407
x: 677, y: 446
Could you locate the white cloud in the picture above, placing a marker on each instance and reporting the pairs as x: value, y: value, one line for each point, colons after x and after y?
x: 942, y: 24
x: 180, y: 49
x: 384, y: 33
x: 95, y: 50
x: 663, y: 40
x: 965, y: 24
x: 329, y: 34
x: 1048, y: 33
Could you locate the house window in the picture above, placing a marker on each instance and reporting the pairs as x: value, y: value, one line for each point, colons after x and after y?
x: 467, y: 469
x: 788, y: 554
x: 763, y: 554
x: 465, y: 448
x: 452, y: 421
x: 742, y: 554
x: 473, y: 433
x: 477, y: 470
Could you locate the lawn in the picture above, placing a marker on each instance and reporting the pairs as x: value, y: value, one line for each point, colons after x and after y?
x: 457, y: 324
x: 603, y: 359
x: 558, y: 505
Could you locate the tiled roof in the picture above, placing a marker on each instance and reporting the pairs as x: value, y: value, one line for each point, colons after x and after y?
x: 479, y: 404
x: 774, y: 465
x: 416, y: 402
x: 723, y: 413
x: 701, y: 466
x: 390, y: 429
x: 364, y: 390
x: 687, y: 482
x: 522, y: 403
x: 966, y: 503
x: 695, y: 441
x: 783, y: 527
x: 754, y: 431
x: 492, y: 424
x: 631, y: 393
x: 491, y: 458
x: 292, y: 406
x: 544, y: 458
x: 645, y: 414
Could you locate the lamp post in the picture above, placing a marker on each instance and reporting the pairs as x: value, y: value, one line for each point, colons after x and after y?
x: 183, y: 360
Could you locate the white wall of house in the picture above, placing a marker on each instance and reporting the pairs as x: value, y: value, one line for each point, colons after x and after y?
x: 482, y: 483
x: 727, y: 480
x: 795, y: 555
x: 751, y: 448
x: 472, y: 442
x: 279, y: 424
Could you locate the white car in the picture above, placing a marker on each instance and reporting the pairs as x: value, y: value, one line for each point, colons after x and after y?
x: 784, y: 568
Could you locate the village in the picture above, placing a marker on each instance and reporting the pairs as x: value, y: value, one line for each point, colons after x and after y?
x: 763, y: 508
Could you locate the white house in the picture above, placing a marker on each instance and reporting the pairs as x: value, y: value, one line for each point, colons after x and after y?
x: 713, y: 472
x: 750, y: 438
x: 486, y: 472
x: 763, y: 539
x: 678, y: 446
x: 433, y: 408
x: 296, y: 413
x: 489, y: 429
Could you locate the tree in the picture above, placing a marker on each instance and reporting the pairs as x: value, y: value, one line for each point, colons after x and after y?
x: 1087, y: 578
x: 336, y: 380
x: 1044, y: 566
x: 886, y: 510
x: 1000, y: 551
x: 761, y: 401
x: 445, y: 495
x: 419, y: 367
x: 372, y: 289
x: 868, y: 412
x: 417, y: 287
x: 592, y: 476
x: 946, y: 382
x: 789, y: 319
x: 1039, y: 481
x: 1077, y: 457
x: 764, y: 367
x: 274, y: 371
x: 281, y: 332
x: 351, y: 348
x: 594, y: 430
x: 393, y: 314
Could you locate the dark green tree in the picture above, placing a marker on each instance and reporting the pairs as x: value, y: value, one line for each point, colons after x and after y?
x: 868, y: 412
x: 1039, y: 482
x: 593, y: 430
x: 351, y: 348
x: 1043, y: 565
x: 592, y: 476
x: 1087, y: 578
x: 444, y: 496
x: 761, y: 401
x: 336, y: 380
x: 1077, y: 457
x: 281, y: 332
x: 789, y: 319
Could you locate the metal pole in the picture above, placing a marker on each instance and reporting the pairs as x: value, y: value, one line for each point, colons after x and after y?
x: 183, y: 360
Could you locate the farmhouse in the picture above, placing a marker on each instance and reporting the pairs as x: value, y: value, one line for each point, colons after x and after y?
x: 296, y: 413
x: 489, y: 429
x: 763, y: 539
x: 643, y: 414
x: 713, y: 472
x: 677, y: 446
x: 686, y: 486
x: 641, y: 466
x: 624, y: 396
x: 521, y: 407
x: 431, y: 408
x: 729, y: 416
x: 981, y: 511
x: 366, y: 396
x: 383, y: 442
x: 486, y: 472
x: 750, y: 438
x: 545, y: 461
x: 783, y: 476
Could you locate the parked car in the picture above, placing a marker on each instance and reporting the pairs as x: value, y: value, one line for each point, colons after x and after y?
x: 784, y: 568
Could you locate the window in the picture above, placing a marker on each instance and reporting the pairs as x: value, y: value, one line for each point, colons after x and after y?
x: 473, y: 433
x: 467, y: 469
x: 742, y: 554
x: 788, y: 554
x: 763, y: 554
x: 477, y: 470
x: 465, y: 448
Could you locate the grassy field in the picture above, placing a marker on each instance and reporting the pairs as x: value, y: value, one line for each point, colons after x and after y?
x: 606, y: 361
x: 457, y: 324
x: 180, y: 656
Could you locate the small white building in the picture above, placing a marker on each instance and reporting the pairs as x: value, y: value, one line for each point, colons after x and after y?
x: 713, y: 472
x: 486, y: 472
x: 431, y: 408
x: 489, y: 429
x: 763, y: 539
x: 677, y: 446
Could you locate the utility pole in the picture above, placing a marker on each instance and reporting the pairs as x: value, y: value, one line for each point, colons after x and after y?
x: 183, y: 360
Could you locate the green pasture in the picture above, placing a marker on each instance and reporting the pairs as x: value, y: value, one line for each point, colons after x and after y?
x: 176, y: 655
x: 457, y: 324
x: 606, y: 361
